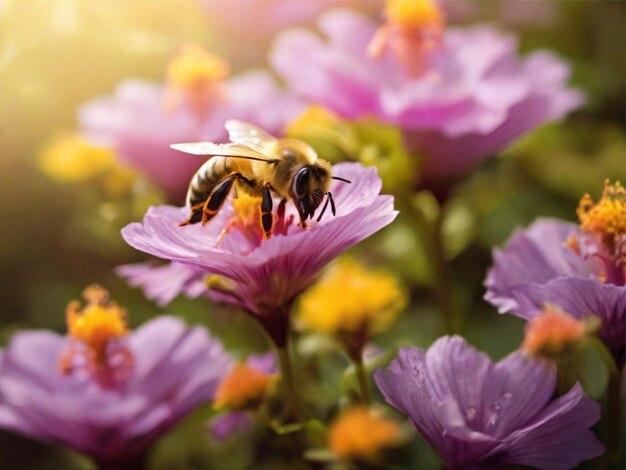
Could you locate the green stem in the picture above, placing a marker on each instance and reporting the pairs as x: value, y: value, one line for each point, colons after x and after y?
x: 442, y: 282
x: 614, y: 421
x: 363, y: 379
x: 290, y: 383
x: 431, y: 228
x: 565, y: 376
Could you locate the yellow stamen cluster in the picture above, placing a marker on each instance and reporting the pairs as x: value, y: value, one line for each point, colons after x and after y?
x: 243, y: 388
x: 607, y: 217
x: 414, y: 14
x: 71, y: 158
x: 361, y: 434
x: 195, y: 69
x: 351, y: 299
x: 246, y: 217
x: 98, y: 322
x: 247, y: 210
x: 552, y: 333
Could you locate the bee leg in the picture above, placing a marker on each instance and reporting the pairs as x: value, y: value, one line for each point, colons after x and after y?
x: 280, y: 213
x: 281, y: 224
x: 267, y: 219
x: 240, y: 177
x: 217, y: 197
x: 195, y: 216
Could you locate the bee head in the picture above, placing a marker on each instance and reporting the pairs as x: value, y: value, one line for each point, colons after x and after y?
x: 309, y: 185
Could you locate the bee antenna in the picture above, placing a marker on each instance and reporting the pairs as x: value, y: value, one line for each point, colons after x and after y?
x: 332, y: 203
x: 319, y: 217
x: 340, y: 179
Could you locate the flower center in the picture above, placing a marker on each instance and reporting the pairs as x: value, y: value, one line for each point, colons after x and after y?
x: 607, y: 217
x: 246, y: 218
x: 96, y: 331
x: 414, y: 14
x: 243, y: 388
x: 247, y: 211
x: 413, y: 29
x: 360, y: 434
x: 352, y: 300
x: 552, y: 333
x: 194, y: 79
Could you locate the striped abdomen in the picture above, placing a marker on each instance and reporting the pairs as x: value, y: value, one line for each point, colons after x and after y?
x: 202, y: 184
x: 205, y: 179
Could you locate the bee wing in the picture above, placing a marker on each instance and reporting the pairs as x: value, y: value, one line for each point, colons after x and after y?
x: 223, y: 150
x: 242, y: 133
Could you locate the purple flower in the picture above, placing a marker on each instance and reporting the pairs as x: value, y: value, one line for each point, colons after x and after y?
x: 554, y: 262
x: 537, y: 255
x: 103, y: 391
x: 474, y: 96
x: 140, y: 120
x: 477, y: 414
x: 265, y: 276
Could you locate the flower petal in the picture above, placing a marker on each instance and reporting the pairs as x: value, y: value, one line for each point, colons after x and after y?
x: 519, y: 386
x: 535, y: 255
x: 559, y: 437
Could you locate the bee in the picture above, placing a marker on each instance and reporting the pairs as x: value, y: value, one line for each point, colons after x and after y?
x: 260, y: 165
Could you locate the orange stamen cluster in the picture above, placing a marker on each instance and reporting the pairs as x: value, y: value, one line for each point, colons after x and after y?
x: 360, y: 434
x: 607, y: 217
x: 97, y: 323
x: 552, y: 333
x: 243, y: 388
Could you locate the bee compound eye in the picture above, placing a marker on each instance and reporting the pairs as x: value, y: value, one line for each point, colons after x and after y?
x: 301, y: 183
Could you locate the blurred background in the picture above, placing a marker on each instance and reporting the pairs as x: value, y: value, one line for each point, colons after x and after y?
x: 57, y: 236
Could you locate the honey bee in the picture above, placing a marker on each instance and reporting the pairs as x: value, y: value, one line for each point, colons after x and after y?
x: 260, y: 165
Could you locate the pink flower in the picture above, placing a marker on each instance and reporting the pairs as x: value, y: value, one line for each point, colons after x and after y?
x: 261, y: 276
x: 103, y: 390
x: 140, y: 120
x: 474, y: 97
